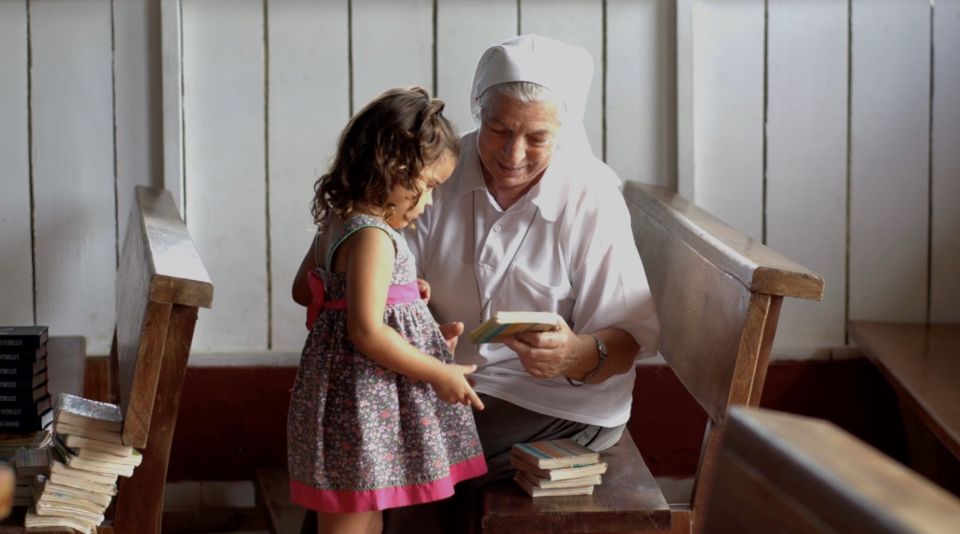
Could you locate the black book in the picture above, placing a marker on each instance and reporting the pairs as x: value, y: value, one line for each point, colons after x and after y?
x: 15, y: 410
x: 23, y: 337
x: 21, y: 383
x: 29, y: 423
x: 11, y: 356
x: 23, y: 396
x: 23, y: 369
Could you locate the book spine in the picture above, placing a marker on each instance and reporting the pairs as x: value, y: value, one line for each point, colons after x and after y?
x: 11, y: 339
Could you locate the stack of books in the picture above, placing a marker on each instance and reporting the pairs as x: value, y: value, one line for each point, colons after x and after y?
x: 88, y: 456
x: 24, y: 402
x: 556, y: 467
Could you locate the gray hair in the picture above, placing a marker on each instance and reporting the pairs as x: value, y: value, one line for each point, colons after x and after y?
x: 526, y: 92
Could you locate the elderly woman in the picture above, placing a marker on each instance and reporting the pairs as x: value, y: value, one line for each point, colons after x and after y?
x: 531, y: 220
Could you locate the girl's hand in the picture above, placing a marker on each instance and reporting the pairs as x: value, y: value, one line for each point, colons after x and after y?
x: 451, y: 385
x: 424, y: 288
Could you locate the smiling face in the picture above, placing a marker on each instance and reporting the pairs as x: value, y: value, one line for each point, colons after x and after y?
x: 515, y: 142
x: 431, y: 177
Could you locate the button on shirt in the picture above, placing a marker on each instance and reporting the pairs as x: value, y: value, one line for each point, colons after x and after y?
x: 565, y: 247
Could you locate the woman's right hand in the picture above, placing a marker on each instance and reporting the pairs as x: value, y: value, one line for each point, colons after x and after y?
x: 451, y: 385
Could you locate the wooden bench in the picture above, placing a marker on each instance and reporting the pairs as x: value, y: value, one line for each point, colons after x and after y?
x: 718, y: 294
x: 922, y: 364
x: 161, y: 283
x: 778, y: 472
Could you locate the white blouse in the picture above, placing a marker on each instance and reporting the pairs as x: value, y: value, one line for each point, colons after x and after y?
x: 565, y: 247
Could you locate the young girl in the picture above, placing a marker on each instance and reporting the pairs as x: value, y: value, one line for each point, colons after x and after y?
x: 379, y: 415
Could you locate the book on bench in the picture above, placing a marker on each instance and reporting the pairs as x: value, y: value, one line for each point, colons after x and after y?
x: 511, y: 323
x: 556, y: 467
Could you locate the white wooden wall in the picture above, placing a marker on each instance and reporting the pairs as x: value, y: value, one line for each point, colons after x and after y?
x: 267, y: 86
x: 78, y: 129
x: 829, y: 129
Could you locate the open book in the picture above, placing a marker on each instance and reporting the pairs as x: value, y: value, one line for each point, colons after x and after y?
x: 510, y: 323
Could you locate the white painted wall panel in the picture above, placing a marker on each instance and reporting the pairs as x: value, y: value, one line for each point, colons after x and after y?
x: 137, y: 86
x: 807, y: 162
x: 464, y: 31
x: 16, y: 250
x: 392, y: 46
x: 225, y: 166
x: 171, y: 87
x: 308, y: 106
x: 641, y: 84
x: 889, y: 165
x: 728, y: 106
x: 685, y: 112
x: 945, y: 227
x: 578, y: 22
x: 72, y: 117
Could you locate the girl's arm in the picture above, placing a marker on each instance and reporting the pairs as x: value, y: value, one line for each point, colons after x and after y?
x: 301, y: 289
x: 370, y: 257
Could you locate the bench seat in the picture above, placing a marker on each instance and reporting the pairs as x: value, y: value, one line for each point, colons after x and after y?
x: 627, y: 500
x: 922, y: 363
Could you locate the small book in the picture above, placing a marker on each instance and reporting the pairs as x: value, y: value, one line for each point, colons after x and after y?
x: 546, y: 483
x: 105, y: 479
x: 88, y: 414
x: 67, y: 476
x: 32, y: 462
x: 23, y: 370
x: 555, y: 453
x: 133, y: 459
x: 89, y: 444
x: 100, y: 435
x: 32, y: 520
x: 25, y: 337
x: 550, y: 492
x: 511, y: 323
x: 46, y: 494
x: 560, y: 473
x: 98, y: 499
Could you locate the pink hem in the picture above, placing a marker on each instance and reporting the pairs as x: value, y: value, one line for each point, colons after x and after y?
x: 338, y: 501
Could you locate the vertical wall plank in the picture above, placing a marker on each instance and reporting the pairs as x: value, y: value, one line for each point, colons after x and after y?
x: 685, y: 101
x: 890, y: 110
x: 392, y: 46
x: 728, y: 107
x: 578, y: 22
x: 464, y: 31
x: 137, y: 84
x: 308, y: 106
x: 16, y: 249
x: 225, y: 165
x: 641, y: 84
x: 171, y: 67
x: 945, y: 238
x: 72, y: 158
x: 807, y: 161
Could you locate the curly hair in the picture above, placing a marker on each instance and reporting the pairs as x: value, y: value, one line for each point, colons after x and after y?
x: 387, y: 143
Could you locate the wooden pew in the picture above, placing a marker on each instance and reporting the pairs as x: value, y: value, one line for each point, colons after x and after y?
x: 718, y: 294
x: 922, y: 363
x: 778, y: 472
x: 161, y: 283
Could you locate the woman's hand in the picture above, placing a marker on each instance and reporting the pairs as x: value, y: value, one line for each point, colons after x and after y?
x: 451, y: 385
x: 451, y: 334
x: 547, y: 354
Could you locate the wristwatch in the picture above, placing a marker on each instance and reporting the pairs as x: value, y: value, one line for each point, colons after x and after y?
x: 602, y: 351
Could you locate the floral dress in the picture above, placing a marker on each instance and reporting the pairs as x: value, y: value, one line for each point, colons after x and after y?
x: 360, y: 436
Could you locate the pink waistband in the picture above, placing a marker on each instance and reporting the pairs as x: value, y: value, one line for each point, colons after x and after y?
x: 397, y: 294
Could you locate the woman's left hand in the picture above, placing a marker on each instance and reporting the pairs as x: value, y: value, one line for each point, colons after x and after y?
x: 547, y: 354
